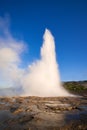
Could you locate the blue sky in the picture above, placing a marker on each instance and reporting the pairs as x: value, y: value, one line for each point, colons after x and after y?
x: 67, y: 20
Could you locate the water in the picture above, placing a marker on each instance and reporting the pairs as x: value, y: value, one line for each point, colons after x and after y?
x: 43, y: 78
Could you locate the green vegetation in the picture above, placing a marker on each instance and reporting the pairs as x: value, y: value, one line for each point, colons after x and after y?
x: 75, y: 86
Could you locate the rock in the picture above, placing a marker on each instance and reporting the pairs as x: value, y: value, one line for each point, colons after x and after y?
x: 17, y: 111
x: 13, y: 108
x: 70, y: 108
x: 26, y: 119
x: 37, y: 113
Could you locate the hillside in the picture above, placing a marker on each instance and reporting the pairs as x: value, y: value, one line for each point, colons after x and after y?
x: 76, y: 87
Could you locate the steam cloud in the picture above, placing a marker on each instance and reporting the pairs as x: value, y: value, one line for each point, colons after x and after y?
x: 41, y: 78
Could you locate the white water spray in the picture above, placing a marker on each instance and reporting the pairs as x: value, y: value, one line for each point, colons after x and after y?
x: 42, y: 78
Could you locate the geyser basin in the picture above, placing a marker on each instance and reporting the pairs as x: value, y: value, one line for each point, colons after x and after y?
x: 42, y: 78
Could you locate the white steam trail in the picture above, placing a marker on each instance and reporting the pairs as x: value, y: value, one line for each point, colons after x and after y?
x: 41, y: 78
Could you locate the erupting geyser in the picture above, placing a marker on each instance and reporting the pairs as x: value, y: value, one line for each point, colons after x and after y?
x: 42, y: 78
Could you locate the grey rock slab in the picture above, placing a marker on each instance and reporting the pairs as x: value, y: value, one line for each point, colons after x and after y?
x: 48, y: 119
x: 56, y: 105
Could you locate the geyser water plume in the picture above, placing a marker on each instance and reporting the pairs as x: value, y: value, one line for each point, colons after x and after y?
x: 42, y: 77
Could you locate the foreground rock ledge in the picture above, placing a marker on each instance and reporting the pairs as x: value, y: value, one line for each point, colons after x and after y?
x: 40, y: 113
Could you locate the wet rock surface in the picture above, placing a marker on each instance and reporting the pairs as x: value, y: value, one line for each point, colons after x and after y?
x: 37, y: 113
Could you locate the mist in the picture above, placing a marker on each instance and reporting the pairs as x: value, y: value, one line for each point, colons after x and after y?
x: 41, y: 78
x: 10, y: 56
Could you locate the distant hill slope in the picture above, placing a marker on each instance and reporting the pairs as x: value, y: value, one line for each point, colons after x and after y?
x: 77, y: 87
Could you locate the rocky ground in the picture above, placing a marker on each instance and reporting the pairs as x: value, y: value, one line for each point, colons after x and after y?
x: 37, y: 113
